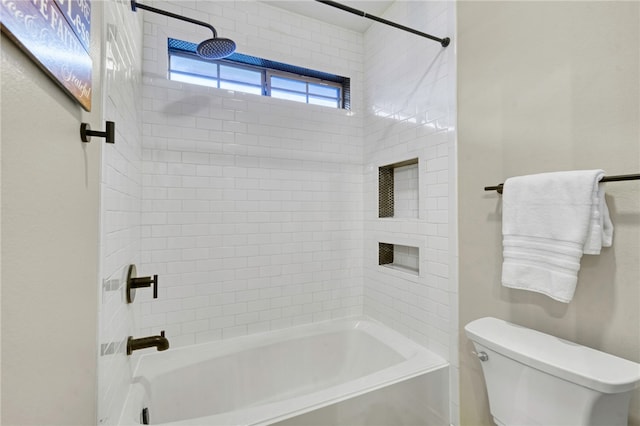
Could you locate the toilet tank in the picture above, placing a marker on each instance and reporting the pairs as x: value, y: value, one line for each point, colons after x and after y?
x: 534, y: 378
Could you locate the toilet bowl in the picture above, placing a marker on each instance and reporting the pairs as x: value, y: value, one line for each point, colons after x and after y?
x: 533, y: 378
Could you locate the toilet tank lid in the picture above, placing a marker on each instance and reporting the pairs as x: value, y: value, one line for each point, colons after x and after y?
x: 570, y: 361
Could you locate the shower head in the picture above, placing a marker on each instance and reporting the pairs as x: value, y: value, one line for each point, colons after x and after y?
x: 213, y: 48
x: 216, y: 48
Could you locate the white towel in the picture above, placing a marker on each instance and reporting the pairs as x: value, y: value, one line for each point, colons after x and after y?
x: 548, y: 221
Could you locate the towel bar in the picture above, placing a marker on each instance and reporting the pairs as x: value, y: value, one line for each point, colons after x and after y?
x: 635, y: 176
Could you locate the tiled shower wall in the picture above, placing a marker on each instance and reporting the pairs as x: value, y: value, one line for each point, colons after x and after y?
x: 121, y: 191
x: 252, y: 206
x: 409, y: 94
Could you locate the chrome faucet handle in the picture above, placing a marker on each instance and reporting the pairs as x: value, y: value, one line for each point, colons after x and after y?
x: 482, y: 355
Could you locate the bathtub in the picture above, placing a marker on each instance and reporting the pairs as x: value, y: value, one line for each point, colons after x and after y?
x: 346, y: 372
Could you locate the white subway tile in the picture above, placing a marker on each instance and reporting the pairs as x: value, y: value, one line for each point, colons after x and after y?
x: 272, y: 194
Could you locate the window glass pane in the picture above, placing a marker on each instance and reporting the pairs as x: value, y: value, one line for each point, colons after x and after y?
x: 241, y: 75
x: 239, y: 87
x: 288, y: 84
x: 316, y: 100
x: 193, y: 66
x: 324, y: 90
x: 292, y: 96
x: 234, y: 74
x: 192, y: 79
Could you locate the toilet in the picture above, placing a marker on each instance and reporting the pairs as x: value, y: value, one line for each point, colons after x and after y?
x: 533, y: 378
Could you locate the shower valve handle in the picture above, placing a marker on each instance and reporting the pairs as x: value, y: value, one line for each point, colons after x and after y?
x: 146, y: 282
x: 134, y: 282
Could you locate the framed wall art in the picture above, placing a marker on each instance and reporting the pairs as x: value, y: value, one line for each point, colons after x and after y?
x: 56, y: 34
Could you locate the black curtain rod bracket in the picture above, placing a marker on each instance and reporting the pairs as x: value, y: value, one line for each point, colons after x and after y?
x: 443, y: 41
x: 618, y: 178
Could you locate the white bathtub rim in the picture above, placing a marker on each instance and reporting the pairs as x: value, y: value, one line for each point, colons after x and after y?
x: 265, y: 414
x: 330, y: 400
x: 151, y: 365
x: 419, y: 360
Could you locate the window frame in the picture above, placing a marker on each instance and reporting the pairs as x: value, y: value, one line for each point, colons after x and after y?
x: 270, y: 72
x: 266, y: 74
x: 216, y: 79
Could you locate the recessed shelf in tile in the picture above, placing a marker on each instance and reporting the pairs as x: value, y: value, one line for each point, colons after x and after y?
x: 398, y: 189
x: 399, y: 257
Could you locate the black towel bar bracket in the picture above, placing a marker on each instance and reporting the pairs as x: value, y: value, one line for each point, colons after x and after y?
x: 617, y: 178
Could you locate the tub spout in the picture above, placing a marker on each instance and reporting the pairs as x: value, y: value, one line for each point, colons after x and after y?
x: 160, y: 342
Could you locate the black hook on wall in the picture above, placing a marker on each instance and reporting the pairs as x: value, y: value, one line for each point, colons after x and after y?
x: 109, y: 133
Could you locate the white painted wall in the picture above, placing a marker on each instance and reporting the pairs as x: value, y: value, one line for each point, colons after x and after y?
x: 50, y: 221
x: 547, y: 86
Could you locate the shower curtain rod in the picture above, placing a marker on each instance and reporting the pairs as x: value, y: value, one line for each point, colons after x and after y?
x: 443, y: 41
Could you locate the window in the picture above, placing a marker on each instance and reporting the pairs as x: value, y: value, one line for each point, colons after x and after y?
x: 303, y: 90
x: 258, y: 76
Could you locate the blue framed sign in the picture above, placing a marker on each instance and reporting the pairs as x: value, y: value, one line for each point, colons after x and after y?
x: 56, y: 34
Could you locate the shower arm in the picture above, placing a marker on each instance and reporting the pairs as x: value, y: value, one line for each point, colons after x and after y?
x: 443, y: 41
x: 135, y: 5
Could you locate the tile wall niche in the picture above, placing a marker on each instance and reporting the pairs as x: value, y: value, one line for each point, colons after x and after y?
x: 399, y: 257
x: 121, y: 194
x: 409, y: 94
x: 398, y: 193
x: 252, y: 206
